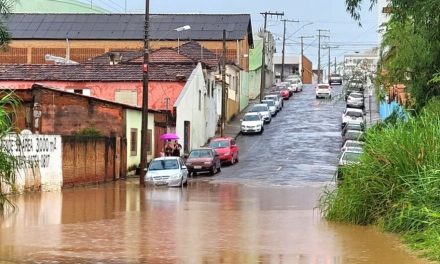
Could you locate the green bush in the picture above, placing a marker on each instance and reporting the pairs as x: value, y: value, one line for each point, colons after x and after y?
x: 396, y: 185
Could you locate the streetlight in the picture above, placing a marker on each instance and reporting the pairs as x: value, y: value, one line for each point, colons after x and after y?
x: 180, y: 29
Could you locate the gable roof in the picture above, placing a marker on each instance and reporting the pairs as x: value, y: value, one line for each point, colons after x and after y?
x: 195, y: 51
x: 94, y: 72
x: 128, y: 26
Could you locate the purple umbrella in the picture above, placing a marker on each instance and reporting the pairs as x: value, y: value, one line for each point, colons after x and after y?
x: 169, y: 136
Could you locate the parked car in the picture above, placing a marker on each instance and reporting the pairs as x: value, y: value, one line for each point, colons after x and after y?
x: 356, y: 100
x: 353, y: 144
x: 279, y: 103
x: 272, y: 106
x: 352, y: 126
x: 353, y: 135
x: 296, y: 84
x: 335, y: 78
x: 252, y: 123
x: 353, y: 115
x: 263, y: 109
x: 169, y: 171
x: 203, y: 160
x: 288, y: 85
x: 226, y: 148
x: 349, y: 157
x: 284, y: 93
x: 323, y: 91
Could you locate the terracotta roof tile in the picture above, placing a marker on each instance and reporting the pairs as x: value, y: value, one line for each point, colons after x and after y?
x: 196, y: 52
x: 93, y: 72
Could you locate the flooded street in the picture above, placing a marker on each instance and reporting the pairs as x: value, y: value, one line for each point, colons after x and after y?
x: 261, y: 210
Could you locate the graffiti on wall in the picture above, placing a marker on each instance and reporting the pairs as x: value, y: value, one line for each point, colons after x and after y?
x: 37, y: 153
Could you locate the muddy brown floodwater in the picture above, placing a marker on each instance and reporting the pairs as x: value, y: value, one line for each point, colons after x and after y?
x: 206, y: 222
x: 261, y: 210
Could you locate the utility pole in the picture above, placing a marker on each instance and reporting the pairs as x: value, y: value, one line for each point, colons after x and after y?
x: 144, y: 132
x: 301, y: 70
x: 224, y: 93
x: 329, y: 64
x: 284, y: 45
x: 263, y: 59
x: 319, y: 51
x: 335, y: 65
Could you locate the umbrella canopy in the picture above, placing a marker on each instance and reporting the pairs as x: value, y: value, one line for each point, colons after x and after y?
x: 169, y: 136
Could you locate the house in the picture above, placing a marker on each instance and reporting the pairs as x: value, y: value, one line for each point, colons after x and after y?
x: 293, y: 64
x: 113, y: 142
x: 255, y: 62
x: 84, y: 36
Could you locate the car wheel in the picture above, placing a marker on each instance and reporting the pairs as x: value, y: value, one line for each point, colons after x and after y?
x: 212, y: 171
x: 232, y: 160
x: 219, y: 169
x: 194, y: 174
x: 317, y: 97
x: 236, y: 158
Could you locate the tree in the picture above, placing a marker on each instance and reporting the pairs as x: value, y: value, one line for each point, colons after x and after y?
x: 411, y: 46
x: 5, y: 8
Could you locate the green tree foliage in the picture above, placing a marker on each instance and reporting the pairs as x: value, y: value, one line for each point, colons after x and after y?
x: 411, y: 46
x: 5, y: 8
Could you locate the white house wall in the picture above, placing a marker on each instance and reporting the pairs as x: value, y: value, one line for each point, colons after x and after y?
x: 187, y: 109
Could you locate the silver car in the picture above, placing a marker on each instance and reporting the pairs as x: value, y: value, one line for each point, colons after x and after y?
x: 263, y: 109
x: 170, y: 171
x: 272, y: 106
x: 356, y: 100
x: 279, y: 101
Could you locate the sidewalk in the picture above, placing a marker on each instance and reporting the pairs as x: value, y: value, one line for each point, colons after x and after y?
x: 233, y: 127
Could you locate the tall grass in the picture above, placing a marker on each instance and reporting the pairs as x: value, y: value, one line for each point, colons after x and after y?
x: 8, y: 163
x: 396, y: 185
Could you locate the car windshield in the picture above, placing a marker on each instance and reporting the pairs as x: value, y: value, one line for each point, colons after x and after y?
x: 351, y: 156
x: 200, y: 153
x: 351, y: 126
x: 335, y: 75
x: 269, y: 102
x: 356, y: 95
x: 355, y: 114
x: 353, y: 145
x: 323, y: 87
x: 251, y: 118
x: 353, y: 134
x: 270, y: 97
x: 259, y: 108
x: 164, y: 165
x: 219, y: 144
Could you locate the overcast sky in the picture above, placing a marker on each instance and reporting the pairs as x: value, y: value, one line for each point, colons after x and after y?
x: 325, y: 14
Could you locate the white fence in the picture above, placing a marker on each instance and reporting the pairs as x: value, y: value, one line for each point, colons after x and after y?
x: 40, y: 161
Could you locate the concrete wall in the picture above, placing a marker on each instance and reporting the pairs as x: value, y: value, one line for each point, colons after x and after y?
x: 254, y: 83
x: 39, y: 158
x: 244, y: 90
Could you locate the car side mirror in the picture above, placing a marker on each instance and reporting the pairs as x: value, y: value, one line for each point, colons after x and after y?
x: 184, y: 168
x: 185, y: 156
x: 241, y: 120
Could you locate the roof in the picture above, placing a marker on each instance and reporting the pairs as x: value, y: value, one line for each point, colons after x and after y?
x: 53, y: 89
x: 160, y: 56
x: 129, y: 26
x: 195, y: 51
x: 93, y: 72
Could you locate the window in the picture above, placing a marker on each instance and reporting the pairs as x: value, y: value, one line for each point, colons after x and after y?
x: 133, y: 141
x: 126, y: 97
x: 209, y: 87
x: 149, y: 141
x: 200, y: 100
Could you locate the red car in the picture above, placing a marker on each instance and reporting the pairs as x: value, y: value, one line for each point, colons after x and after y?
x: 226, y: 148
x: 284, y: 92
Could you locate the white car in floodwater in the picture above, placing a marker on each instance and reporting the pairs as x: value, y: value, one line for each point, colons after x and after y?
x: 170, y: 171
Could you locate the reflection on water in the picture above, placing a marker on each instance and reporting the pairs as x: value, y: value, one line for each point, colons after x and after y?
x: 205, y: 223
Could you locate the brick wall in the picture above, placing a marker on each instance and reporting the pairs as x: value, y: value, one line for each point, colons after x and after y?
x: 64, y: 114
x: 88, y: 160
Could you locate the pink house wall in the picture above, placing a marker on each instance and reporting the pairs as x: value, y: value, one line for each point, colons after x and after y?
x: 157, y: 94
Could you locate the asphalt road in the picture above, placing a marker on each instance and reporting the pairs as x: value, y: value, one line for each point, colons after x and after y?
x: 299, y: 147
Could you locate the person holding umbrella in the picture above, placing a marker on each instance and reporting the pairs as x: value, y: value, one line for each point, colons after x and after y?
x: 177, y: 148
